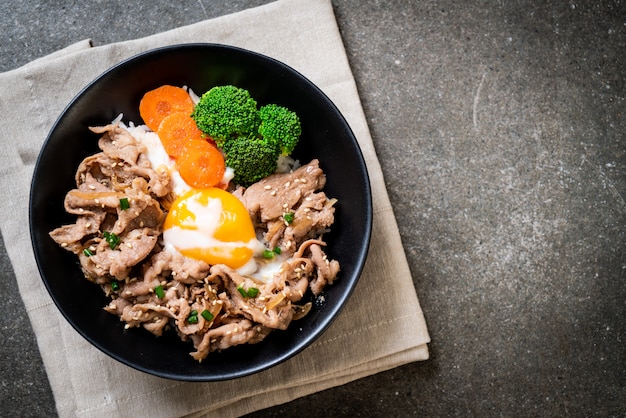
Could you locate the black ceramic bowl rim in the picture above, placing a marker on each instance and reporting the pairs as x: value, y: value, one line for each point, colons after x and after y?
x: 59, y: 268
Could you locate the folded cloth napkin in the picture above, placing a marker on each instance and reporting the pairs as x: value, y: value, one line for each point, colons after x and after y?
x: 360, y: 342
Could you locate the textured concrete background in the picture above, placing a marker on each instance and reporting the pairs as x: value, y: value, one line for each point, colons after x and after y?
x: 500, y: 130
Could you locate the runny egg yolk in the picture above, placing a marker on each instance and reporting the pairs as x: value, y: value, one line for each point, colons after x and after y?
x: 211, y: 225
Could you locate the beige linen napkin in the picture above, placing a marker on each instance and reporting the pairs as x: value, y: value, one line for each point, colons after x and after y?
x: 362, y: 341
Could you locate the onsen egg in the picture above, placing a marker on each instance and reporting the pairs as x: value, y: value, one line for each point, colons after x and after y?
x: 211, y: 225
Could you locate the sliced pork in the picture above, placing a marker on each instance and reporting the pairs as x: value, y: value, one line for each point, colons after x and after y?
x: 120, y: 203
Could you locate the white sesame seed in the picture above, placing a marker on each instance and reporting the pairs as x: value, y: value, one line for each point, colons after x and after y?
x: 268, y: 187
x: 64, y: 244
x: 273, y: 193
x: 287, y: 184
x: 92, y: 187
x: 97, y: 201
x: 303, y: 180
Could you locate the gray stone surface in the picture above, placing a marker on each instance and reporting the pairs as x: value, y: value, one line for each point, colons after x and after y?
x: 500, y: 130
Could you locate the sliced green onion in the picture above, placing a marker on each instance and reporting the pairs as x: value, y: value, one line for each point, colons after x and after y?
x: 250, y: 293
x: 242, y: 291
x: 193, y: 317
x: 124, y: 203
x: 87, y: 252
x: 111, y: 239
x: 115, y: 285
x: 269, y: 254
x: 288, y: 217
x: 207, y: 315
x: 159, y: 292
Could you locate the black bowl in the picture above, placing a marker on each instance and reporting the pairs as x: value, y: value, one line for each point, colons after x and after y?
x: 326, y: 136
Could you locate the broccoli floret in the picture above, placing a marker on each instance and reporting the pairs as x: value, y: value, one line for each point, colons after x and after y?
x: 225, y: 112
x: 252, y: 139
x: 252, y: 158
x: 280, y: 125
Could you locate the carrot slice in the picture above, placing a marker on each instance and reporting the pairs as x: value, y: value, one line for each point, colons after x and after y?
x: 201, y: 164
x: 156, y: 104
x: 176, y: 130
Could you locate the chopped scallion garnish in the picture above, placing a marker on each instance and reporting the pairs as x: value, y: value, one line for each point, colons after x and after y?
x: 269, y: 254
x: 87, y: 252
x: 115, y: 285
x: 207, y: 315
x: 193, y: 319
x: 242, y: 291
x: 124, y: 203
x: 159, y: 292
x: 288, y: 217
x: 250, y: 293
x: 111, y: 239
